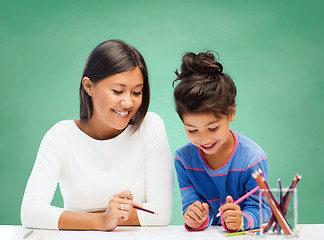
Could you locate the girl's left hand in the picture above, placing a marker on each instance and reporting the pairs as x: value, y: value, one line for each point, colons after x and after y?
x: 232, y: 214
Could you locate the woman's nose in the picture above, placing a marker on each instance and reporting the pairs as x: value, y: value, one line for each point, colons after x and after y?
x: 127, y: 101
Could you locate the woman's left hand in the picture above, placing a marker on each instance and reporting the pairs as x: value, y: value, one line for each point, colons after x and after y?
x: 232, y: 214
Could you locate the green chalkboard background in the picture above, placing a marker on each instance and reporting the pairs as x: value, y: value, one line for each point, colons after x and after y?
x: 272, y: 49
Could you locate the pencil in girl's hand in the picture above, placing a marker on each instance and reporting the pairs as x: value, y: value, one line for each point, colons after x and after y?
x: 242, y: 198
x: 145, y: 210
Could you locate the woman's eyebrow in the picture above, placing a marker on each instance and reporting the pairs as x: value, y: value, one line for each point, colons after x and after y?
x: 123, y: 85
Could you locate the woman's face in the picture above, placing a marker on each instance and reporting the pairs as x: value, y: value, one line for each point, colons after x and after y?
x: 116, y: 99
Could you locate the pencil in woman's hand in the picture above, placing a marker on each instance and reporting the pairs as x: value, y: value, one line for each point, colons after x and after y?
x: 145, y: 210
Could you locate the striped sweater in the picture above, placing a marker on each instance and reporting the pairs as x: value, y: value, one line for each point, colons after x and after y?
x: 198, y: 182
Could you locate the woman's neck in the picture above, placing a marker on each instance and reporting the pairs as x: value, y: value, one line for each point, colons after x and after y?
x: 97, y: 130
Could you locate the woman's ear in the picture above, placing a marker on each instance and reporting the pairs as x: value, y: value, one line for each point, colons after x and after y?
x: 232, y: 114
x: 87, y: 85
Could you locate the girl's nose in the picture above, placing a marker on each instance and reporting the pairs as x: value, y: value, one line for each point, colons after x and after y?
x: 204, y: 139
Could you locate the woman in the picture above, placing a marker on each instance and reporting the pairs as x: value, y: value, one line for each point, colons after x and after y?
x: 105, y: 162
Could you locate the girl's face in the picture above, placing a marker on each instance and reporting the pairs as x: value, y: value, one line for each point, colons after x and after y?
x: 116, y: 99
x: 206, y: 131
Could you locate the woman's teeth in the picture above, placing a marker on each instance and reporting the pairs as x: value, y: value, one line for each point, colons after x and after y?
x: 121, y: 113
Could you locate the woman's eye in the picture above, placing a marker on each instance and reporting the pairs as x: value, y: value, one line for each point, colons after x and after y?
x: 137, y: 93
x: 117, y: 92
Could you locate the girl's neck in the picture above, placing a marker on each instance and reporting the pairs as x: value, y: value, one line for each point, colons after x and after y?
x: 219, y: 158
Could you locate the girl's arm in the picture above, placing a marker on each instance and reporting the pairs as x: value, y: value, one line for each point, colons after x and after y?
x: 189, y: 194
x: 250, y: 211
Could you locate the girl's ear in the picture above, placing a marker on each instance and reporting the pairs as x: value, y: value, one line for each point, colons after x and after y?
x: 232, y: 114
x: 87, y: 85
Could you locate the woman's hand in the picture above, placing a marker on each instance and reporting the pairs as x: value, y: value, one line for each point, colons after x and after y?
x: 232, y: 214
x: 119, y: 209
x: 196, y: 214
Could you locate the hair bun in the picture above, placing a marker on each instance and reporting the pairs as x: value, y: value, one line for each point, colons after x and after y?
x: 203, y: 62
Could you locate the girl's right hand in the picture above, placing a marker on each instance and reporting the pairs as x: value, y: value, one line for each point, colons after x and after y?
x: 119, y: 208
x: 196, y: 214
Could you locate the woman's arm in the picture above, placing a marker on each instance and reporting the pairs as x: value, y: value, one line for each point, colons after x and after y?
x: 158, y: 174
x: 104, y: 221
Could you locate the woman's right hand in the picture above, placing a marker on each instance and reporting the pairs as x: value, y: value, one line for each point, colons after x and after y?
x: 119, y: 209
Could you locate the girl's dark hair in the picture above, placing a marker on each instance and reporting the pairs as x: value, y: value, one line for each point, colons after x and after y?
x: 109, y: 58
x: 203, y: 87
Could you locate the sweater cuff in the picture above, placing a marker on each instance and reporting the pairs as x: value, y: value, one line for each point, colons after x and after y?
x: 202, y: 227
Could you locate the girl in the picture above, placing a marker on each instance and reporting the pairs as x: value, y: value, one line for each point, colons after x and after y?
x: 107, y: 160
x: 217, y: 165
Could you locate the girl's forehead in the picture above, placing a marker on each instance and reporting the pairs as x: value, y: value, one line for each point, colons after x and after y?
x: 199, y: 119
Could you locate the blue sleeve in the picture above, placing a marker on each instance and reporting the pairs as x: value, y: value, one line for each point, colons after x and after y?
x: 251, y: 208
x: 189, y: 193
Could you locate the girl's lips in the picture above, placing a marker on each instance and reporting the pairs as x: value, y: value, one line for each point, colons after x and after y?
x: 208, y: 147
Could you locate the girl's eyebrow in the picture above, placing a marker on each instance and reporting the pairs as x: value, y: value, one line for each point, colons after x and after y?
x: 189, y: 125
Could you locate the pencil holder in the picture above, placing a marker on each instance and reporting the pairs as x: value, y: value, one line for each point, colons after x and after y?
x: 282, y: 221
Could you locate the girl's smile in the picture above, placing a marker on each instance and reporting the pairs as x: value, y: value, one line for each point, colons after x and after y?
x: 208, y: 132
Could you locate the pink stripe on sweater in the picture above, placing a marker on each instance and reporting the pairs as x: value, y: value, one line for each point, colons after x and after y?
x: 213, y: 200
x: 256, y: 162
x: 232, y: 153
x: 186, y: 188
x: 248, y: 220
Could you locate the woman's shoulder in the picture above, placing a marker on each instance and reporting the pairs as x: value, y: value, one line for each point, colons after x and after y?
x: 151, y: 119
x: 60, y: 128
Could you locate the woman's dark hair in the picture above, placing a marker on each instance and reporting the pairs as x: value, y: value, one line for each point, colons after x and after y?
x: 203, y: 87
x: 109, y: 58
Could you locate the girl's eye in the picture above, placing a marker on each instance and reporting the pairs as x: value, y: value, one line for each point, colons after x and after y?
x: 213, y: 129
x: 192, y: 131
x: 117, y: 92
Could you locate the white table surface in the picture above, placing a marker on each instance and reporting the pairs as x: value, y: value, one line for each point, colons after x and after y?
x: 13, y: 232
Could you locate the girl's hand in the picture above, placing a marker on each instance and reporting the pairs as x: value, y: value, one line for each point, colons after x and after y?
x: 119, y: 209
x: 232, y: 214
x: 196, y: 214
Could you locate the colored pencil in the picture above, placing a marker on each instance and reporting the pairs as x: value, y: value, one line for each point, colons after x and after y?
x: 259, y: 178
x: 145, y: 210
x: 285, y: 201
x: 248, y: 232
x: 28, y: 234
x: 242, y: 198
x: 277, y: 226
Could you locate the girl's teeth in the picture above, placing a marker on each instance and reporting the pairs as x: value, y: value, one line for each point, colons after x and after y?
x: 207, y: 146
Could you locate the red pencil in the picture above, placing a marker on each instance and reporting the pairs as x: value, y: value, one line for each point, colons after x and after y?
x: 145, y: 210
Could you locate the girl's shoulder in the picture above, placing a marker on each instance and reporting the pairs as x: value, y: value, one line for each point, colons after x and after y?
x: 248, y: 152
x: 187, y: 151
x: 247, y: 145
